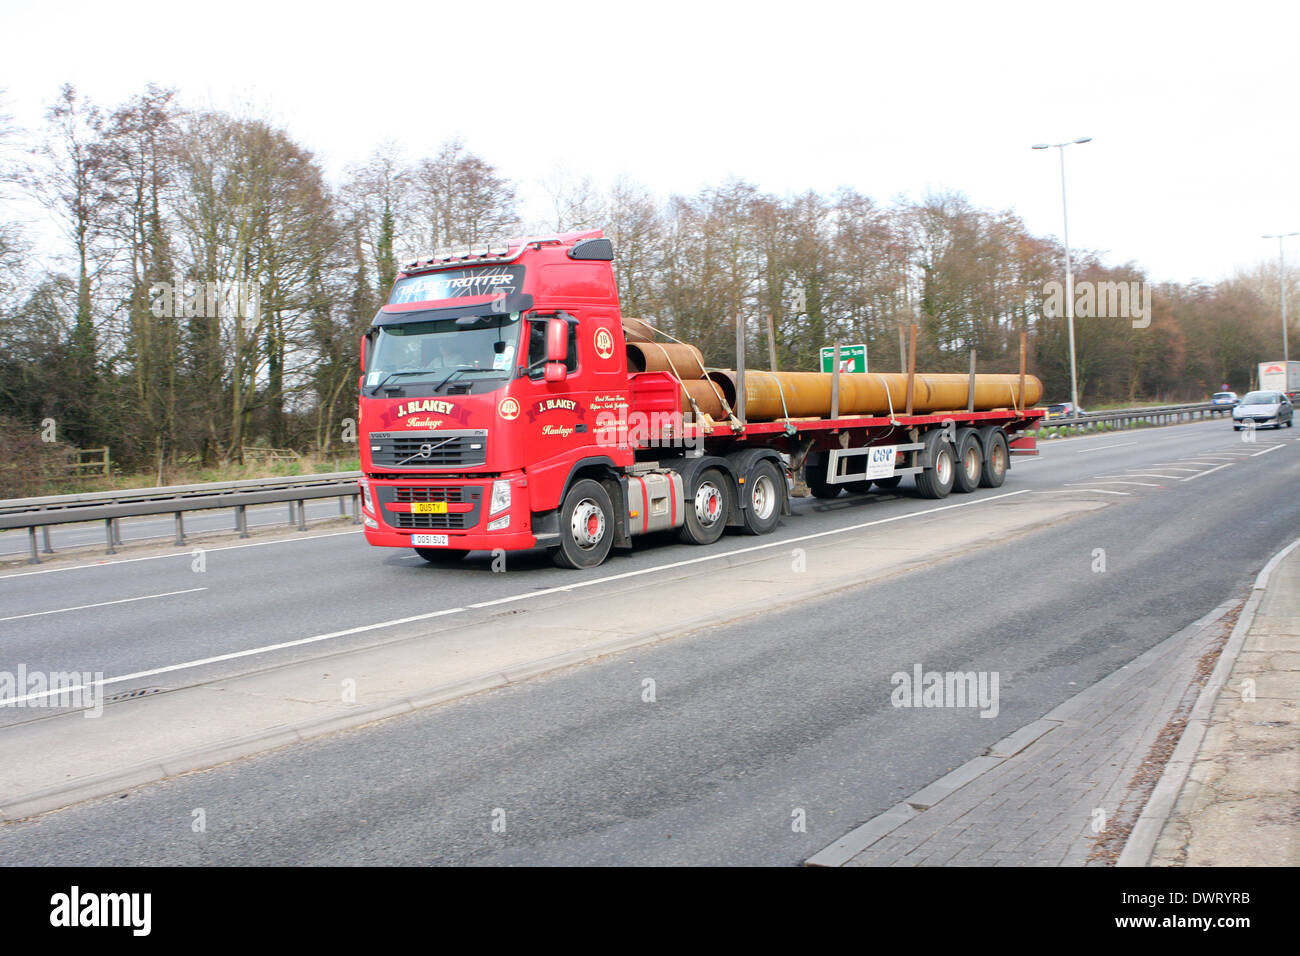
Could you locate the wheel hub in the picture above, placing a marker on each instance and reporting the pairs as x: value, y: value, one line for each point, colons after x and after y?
x: 708, y: 503
x: 587, y: 524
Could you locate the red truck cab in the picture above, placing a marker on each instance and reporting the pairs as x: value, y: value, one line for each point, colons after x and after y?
x: 486, y: 370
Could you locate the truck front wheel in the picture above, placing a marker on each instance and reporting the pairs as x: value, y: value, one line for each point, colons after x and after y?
x: 707, y: 507
x: 586, y: 526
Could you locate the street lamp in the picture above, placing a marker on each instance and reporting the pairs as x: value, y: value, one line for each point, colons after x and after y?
x: 1069, y: 275
x: 1281, y: 280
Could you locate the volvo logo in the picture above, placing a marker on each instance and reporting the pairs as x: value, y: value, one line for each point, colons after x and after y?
x: 426, y: 449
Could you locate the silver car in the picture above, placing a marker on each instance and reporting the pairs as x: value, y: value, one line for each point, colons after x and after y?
x: 1262, y: 408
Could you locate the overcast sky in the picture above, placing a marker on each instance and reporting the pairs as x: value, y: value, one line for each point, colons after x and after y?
x: 1191, y: 106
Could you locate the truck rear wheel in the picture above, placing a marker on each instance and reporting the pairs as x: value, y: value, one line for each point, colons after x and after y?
x: 815, y: 475
x: 764, y: 485
x: 707, y: 507
x: 970, y: 462
x: 994, y: 470
x: 586, y: 526
x: 887, y: 484
x: 441, y: 555
x: 858, y: 487
x: 937, y: 479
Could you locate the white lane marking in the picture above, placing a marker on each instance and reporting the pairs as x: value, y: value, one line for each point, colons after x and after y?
x: 1142, y: 474
x: 1100, y: 491
x: 1265, y: 451
x: 1214, y: 460
x: 1088, y: 451
x: 250, y: 652
x: 179, y: 554
x: 83, y: 607
x: 1208, y: 471
x: 1144, y: 484
x: 1169, y: 468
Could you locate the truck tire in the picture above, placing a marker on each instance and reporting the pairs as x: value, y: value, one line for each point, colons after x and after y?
x: 814, y: 474
x: 858, y: 487
x: 887, y: 484
x: 707, y: 505
x: 937, y: 479
x: 586, y: 526
x: 994, y: 470
x: 441, y: 555
x: 970, y: 462
x: 764, y: 486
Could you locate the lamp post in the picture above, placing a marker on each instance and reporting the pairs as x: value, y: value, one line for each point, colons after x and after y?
x: 1281, y: 281
x: 1069, y: 274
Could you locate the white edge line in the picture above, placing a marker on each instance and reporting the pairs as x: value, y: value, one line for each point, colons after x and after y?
x: 1256, y: 454
x: 233, y: 655
x: 1088, y: 451
x: 1208, y: 471
x: 83, y: 607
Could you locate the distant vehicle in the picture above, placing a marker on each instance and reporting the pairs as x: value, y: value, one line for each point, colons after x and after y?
x: 1280, y: 377
x: 1262, y: 408
x: 1225, y: 398
x: 1064, y: 410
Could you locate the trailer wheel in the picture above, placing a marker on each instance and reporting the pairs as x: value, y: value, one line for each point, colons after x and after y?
x: 586, y: 526
x: 441, y: 555
x: 937, y: 479
x: 858, y: 487
x: 707, y: 507
x: 994, y: 470
x: 970, y: 462
x: 887, y: 484
x: 764, y: 485
x: 814, y: 473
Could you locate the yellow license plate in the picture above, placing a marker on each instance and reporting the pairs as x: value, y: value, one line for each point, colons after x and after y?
x: 429, y: 508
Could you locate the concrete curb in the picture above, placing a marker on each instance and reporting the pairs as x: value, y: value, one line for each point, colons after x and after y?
x: 1146, y: 831
x: 855, y: 841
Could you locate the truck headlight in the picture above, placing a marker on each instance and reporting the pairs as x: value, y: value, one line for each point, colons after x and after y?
x: 500, y: 496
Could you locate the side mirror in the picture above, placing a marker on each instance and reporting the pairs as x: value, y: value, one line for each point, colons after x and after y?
x: 557, y: 349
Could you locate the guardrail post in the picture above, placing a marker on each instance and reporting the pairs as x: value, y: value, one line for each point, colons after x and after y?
x: 343, y: 505
x: 117, y: 532
x: 31, y: 538
x: 356, y: 509
x: 241, y: 520
x: 291, y: 512
x: 108, y: 533
x: 302, y: 515
x: 45, y: 540
x: 180, y: 530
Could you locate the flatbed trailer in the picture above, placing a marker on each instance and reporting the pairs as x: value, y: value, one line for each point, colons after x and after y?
x: 545, y: 438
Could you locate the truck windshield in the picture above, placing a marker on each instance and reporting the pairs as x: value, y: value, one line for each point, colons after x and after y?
x: 443, y: 350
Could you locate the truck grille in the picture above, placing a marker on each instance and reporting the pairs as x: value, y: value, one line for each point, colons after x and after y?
x: 471, y: 495
x: 446, y: 449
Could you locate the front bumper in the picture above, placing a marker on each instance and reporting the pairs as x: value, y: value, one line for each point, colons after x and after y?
x: 390, y: 520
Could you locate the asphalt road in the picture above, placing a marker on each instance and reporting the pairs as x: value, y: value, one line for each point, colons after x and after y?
x: 753, y: 723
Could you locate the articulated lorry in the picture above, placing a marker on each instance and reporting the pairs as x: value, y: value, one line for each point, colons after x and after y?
x: 506, y: 403
x: 1279, y: 377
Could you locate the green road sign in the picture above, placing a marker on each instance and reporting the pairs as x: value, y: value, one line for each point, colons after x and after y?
x: 853, y: 358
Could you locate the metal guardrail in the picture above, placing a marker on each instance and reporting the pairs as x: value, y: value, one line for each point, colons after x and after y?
x: 1128, y: 417
x: 110, y: 506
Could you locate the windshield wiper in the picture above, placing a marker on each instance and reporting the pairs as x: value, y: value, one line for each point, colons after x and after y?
x: 458, y: 370
x: 392, y: 375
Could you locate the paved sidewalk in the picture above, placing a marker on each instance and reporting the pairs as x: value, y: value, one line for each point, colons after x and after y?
x: 1064, y: 790
x: 1240, y: 805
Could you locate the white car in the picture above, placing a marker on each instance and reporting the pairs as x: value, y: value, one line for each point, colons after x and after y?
x: 1262, y: 408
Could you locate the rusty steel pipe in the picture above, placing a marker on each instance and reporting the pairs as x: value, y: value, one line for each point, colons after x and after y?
x: 685, y: 361
x: 808, y: 394
x: 637, y: 330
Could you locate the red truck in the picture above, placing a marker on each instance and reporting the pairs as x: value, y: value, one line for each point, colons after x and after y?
x: 498, y: 411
